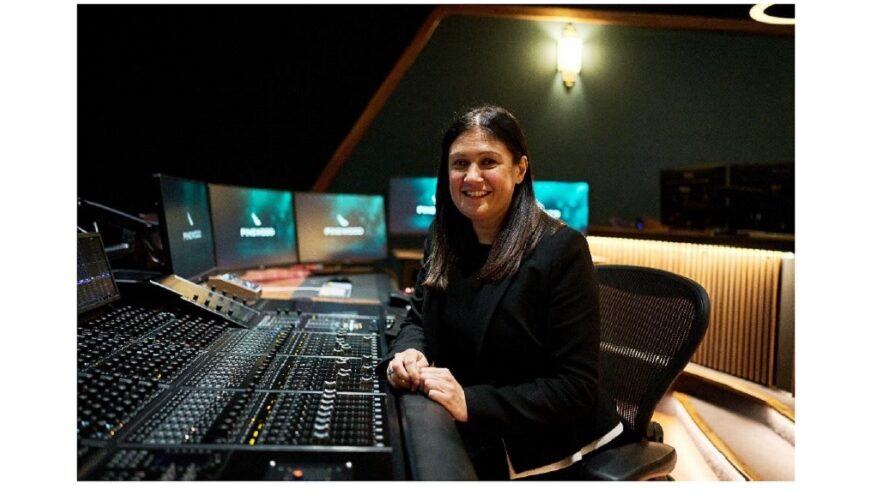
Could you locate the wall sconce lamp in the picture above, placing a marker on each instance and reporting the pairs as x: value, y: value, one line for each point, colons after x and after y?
x: 569, y: 55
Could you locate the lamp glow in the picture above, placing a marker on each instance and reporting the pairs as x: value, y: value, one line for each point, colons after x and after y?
x: 569, y: 55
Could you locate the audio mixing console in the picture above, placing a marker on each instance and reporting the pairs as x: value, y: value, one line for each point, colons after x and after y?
x: 200, y: 388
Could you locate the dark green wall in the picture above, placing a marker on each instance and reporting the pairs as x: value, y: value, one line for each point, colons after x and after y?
x: 647, y: 99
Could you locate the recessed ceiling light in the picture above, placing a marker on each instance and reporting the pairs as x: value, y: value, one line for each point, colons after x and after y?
x: 757, y: 13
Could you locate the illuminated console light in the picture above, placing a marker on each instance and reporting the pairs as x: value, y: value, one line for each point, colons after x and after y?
x: 344, y: 231
x: 258, y: 232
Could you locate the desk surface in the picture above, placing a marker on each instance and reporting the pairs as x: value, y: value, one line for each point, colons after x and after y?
x: 287, y: 284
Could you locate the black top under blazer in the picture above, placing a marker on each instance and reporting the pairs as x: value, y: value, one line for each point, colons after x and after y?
x: 538, y: 334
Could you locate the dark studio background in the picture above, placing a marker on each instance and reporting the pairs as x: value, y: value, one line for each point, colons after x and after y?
x: 263, y: 96
x: 246, y: 95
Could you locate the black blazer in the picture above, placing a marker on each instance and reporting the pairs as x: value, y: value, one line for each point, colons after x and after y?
x: 539, y: 336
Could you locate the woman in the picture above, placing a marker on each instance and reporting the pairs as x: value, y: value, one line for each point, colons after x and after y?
x: 504, y: 327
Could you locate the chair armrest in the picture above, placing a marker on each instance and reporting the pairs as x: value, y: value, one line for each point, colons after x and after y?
x: 434, y: 448
x: 642, y: 460
x: 655, y: 433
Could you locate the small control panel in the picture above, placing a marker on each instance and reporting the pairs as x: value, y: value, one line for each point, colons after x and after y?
x: 209, y: 300
x: 233, y: 286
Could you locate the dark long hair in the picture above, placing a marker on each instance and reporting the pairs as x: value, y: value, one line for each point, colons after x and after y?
x: 525, y: 222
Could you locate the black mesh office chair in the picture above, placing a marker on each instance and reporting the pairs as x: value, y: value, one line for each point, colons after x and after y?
x: 651, y: 323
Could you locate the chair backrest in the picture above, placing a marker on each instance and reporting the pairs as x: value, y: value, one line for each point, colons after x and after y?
x: 651, y: 323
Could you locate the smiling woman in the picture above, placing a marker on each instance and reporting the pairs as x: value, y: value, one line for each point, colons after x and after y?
x: 504, y: 332
x: 507, y: 218
x: 483, y: 175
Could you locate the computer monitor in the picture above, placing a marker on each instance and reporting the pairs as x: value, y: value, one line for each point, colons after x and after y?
x: 253, y: 227
x: 187, y: 233
x: 412, y: 205
x: 341, y: 228
x: 565, y: 200
x: 95, y: 285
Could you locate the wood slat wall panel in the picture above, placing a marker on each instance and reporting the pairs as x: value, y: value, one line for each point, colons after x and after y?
x: 743, y: 288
